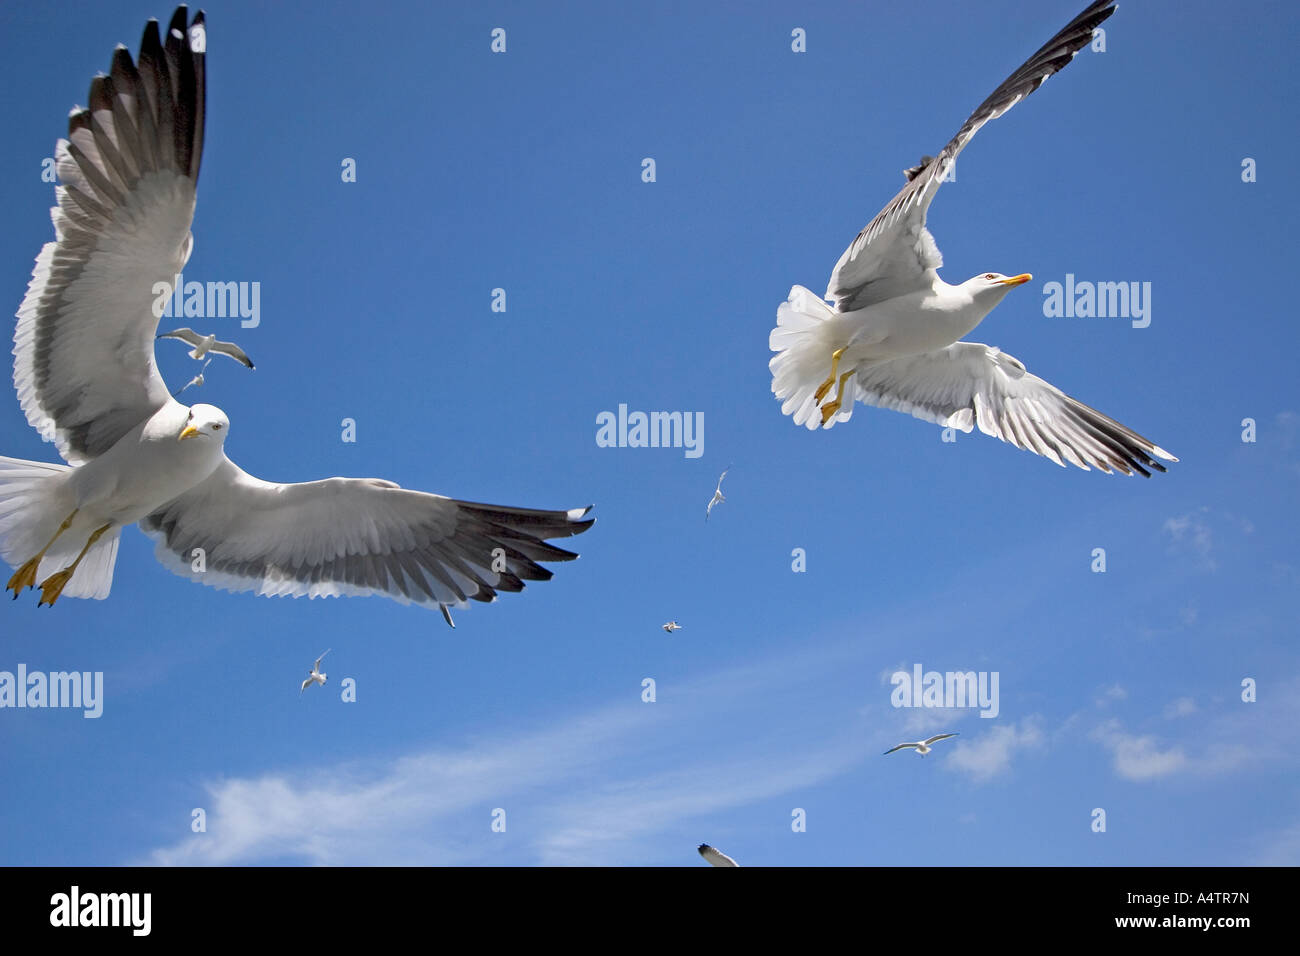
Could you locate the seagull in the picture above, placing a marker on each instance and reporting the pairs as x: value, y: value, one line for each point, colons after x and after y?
x: 197, y: 379
x: 672, y: 626
x: 892, y: 337
x: 87, y: 379
x: 203, y: 344
x: 315, y: 677
x: 716, y: 856
x: 717, y: 494
x: 922, y: 746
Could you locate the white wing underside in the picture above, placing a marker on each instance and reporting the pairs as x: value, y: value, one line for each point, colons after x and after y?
x: 968, y: 385
x: 83, y: 347
x: 354, y: 536
x: 716, y: 857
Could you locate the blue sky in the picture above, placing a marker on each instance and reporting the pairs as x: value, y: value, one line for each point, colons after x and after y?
x: 1118, y: 690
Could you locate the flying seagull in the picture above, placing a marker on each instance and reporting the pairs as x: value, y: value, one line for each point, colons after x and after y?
x: 672, y: 626
x: 86, y: 378
x: 717, y: 494
x: 315, y: 677
x: 891, y: 338
x: 922, y: 746
x: 197, y: 379
x: 203, y: 344
x: 716, y: 856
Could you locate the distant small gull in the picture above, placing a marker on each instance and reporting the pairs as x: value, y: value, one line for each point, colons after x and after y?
x: 922, y: 746
x: 203, y: 344
x: 892, y: 335
x: 672, y: 626
x: 717, y: 494
x: 315, y: 677
x: 716, y: 856
x: 197, y: 379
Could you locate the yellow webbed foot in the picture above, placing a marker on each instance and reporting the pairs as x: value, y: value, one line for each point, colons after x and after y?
x: 24, y: 577
x: 53, y: 586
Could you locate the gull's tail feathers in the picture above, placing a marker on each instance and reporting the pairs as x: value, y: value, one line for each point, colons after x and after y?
x: 806, y: 333
x: 35, y: 499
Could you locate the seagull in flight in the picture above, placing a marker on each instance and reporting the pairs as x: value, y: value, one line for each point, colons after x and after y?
x: 672, y: 626
x: 315, y: 677
x: 892, y: 336
x: 87, y: 379
x: 717, y: 494
x: 923, y: 747
x: 716, y: 856
x: 197, y: 379
x: 203, y: 344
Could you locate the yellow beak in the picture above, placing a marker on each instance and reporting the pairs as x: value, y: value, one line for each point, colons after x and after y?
x: 190, y: 432
x: 1016, y: 280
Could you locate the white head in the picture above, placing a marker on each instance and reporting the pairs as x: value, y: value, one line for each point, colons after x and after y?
x: 992, y: 286
x: 207, y: 422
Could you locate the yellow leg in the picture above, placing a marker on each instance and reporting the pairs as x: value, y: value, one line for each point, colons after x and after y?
x: 830, y: 408
x: 53, y: 586
x: 824, y: 387
x: 25, y: 577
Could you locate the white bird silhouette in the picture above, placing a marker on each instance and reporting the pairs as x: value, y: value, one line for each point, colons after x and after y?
x: 203, y: 344
x: 717, y: 495
x: 315, y: 677
x: 922, y: 746
x: 197, y: 379
x: 716, y: 856
x: 672, y: 626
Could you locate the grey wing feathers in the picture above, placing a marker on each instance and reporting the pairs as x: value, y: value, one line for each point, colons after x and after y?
x: 83, y: 347
x: 352, y: 536
x: 853, y: 284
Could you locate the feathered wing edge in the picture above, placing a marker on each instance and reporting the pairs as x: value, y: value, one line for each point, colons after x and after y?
x: 141, y: 120
x: 924, y: 179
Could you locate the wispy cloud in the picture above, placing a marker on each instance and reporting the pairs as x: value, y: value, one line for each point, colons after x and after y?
x: 1138, y: 757
x: 594, y: 789
x: 1190, y: 533
x: 990, y: 754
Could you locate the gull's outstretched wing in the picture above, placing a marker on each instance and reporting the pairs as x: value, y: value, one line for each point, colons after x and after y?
x: 938, y: 737
x: 899, y: 747
x: 234, y: 351
x: 716, y: 856
x: 83, y: 347
x: 186, y: 335
x: 355, y: 536
x: 895, y: 253
x: 316, y: 666
x: 969, y: 384
x: 305, y: 684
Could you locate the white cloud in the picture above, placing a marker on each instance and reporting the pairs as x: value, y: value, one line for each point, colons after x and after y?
x: 1191, y: 533
x: 1182, y: 707
x: 1113, y: 692
x: 989, y: 754
x: 1138, y: 757
x: 589, y: 790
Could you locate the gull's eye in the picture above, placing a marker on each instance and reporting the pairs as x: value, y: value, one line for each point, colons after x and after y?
x: 991, y: 275
x: 216, y: 428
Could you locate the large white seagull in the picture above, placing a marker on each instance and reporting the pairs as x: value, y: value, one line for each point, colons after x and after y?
x: 86, y: 378
x: 892, y: 338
